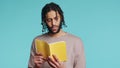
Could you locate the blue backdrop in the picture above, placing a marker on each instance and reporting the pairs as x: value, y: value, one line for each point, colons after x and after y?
x: 96, y: 22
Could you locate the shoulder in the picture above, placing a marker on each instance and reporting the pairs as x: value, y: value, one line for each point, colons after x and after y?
x: 74, y: 37
x: 42, y: 36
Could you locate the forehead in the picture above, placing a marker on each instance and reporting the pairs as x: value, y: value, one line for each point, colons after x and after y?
x: 52, y: 14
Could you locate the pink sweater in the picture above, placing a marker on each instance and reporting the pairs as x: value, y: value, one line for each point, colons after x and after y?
x: 75, y: 51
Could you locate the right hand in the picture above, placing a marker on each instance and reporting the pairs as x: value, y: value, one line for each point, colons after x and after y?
x: 38, y: 60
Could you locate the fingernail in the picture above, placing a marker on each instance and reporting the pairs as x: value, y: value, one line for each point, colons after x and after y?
x: 48, y: 56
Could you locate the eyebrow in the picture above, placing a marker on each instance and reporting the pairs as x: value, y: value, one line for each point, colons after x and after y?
x: 57, y: 16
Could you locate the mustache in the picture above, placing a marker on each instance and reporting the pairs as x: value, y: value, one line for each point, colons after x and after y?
x: 54, y: 26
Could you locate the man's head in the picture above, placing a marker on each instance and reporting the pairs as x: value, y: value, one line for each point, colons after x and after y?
x: 52, y: 18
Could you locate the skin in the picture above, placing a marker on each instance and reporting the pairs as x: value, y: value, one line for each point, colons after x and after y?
x: 38, y: 60
x: 53, y: 24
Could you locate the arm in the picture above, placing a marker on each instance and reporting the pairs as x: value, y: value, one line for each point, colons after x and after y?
x: 31, y: 63
x: 35, y: 60
x: 79, y: 61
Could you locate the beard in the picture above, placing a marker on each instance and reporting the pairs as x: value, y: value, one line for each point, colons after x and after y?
x: 51, y: 30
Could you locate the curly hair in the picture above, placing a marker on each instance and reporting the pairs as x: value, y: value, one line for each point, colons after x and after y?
x: 48, y: 7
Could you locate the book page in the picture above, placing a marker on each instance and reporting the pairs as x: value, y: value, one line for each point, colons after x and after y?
x: 59, y: 49
x: 42, y: 47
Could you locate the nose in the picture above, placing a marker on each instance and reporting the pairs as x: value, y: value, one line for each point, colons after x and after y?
x: 53, y: 22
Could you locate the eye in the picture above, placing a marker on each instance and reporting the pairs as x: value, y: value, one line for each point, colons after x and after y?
x: 56, y: 18
x: 49, y: 20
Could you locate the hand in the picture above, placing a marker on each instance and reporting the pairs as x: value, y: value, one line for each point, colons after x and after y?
x: 38, y: 60
x: 54, y: 62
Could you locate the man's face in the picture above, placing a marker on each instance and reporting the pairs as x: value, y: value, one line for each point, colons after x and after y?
x: 53, y: 22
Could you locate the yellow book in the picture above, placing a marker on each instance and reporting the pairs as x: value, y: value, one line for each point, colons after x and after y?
x: 56, y: 48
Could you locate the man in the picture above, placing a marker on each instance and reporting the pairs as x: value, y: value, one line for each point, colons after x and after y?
x: 53, y: 21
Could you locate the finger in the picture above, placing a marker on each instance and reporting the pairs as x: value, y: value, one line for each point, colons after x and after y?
x: 55, y: 58
x: 38, y: 54
x: 38, y: 57
x: 38, y: 62
x: 53, y: 62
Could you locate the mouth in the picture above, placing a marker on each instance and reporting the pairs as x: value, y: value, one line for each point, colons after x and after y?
x: 54, y: 28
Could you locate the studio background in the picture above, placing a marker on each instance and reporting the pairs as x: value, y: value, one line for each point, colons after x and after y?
x: 96, y: 22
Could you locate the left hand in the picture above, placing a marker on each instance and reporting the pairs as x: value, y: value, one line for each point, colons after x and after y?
x: 54, y: 62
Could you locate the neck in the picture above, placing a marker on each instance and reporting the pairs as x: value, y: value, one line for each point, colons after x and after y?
x: 60, y: 33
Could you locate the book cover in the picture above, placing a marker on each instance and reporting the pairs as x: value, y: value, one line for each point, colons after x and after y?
x: 56, y: 48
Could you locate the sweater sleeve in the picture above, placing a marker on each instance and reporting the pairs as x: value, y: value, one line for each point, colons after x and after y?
x: 79, y: 61
x: 32, y: 51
